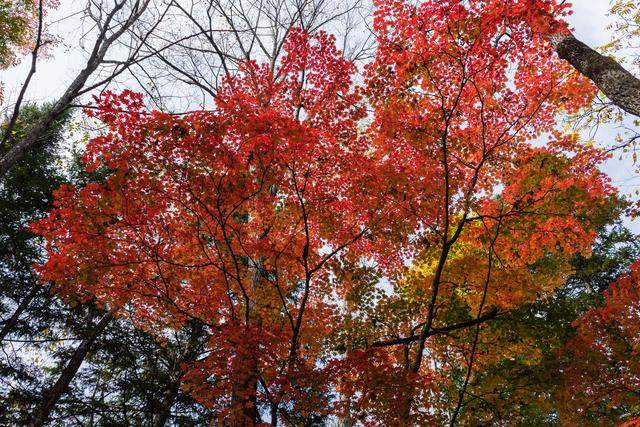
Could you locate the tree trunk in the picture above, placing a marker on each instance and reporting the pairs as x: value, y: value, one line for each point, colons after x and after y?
x: 618, y: 84
x: 11, y: 322
x: 39, y: 131
x: 404, y: 409
x: 105, y: 39
x: 167, y: 403
x: 175, y: 380
x: 52, y: 395
x: 244, y: 406
x: 274, y: 415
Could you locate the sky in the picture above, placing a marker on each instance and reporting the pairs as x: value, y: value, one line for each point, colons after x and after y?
x: 589, y: 22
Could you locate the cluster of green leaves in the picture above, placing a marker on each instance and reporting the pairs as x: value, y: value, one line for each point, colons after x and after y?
x: 527, y: 387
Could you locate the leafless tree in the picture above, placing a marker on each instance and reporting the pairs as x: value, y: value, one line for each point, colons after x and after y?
x: 204, y: 41
x: 111, y: 22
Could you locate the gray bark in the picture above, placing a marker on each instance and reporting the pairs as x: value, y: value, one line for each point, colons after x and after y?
x: 618, y: 84
x: 78, y: 86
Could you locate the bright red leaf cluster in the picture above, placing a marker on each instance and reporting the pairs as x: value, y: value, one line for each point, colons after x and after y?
x: 606, y: 353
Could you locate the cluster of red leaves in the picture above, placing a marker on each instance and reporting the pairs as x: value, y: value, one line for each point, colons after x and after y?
x: 465, y: 74
x: 232, y: 217
x: 374, y: 387
x: 604, y: 373
x: 225, y: 217
x: 460, y: 90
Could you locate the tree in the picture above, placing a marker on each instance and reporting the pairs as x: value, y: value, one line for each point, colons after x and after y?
x: 170, y: 48
x: 21, y: 22
x: 616, y: 82
x: 522, y: 382
x: 441, y: 76
x: 53, y: 353
x: 129, y: 377
x: 111, y: 25
x: 254, y: 218
x: 203, y: 42
x: 52, y: 394
x: 266, y: 178
x: 14, y: 28
x: 25, y: 196
x: 602, y: 380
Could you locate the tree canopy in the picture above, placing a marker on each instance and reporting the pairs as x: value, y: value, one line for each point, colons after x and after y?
x: 419, y: 240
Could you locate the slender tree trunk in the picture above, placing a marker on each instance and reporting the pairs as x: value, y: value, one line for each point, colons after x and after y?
x: 11, y: 322
x: 244, y: 405
x: 39, y: 131
x: 52, y: 395
x: 175, y: 380
x: 405, y: 409
x: 167, y: 403
x: 618, y: 84
x: 274, y: 415
x: 105, y: 39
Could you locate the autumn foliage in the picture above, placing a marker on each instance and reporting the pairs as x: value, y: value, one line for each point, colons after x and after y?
x: 331, y: 235
x: 20, y: 27
x: 604, y: 375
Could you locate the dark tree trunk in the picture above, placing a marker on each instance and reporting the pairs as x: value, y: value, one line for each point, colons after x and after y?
x: 618, y: 84
x: 244, y: 411
x: 52, y: 395
x: 174, y: 379
x: 11, y: 322
x: 274, y: 415
x: 167, y: 403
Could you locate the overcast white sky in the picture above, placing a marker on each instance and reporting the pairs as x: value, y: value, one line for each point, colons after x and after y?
x: 589, y: 20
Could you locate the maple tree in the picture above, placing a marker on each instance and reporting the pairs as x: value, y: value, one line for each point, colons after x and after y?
x: 523, y: 383
x: 460, y: 130
x: 127, y: 376
x: 263, y: 193
x: 329, y: 250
